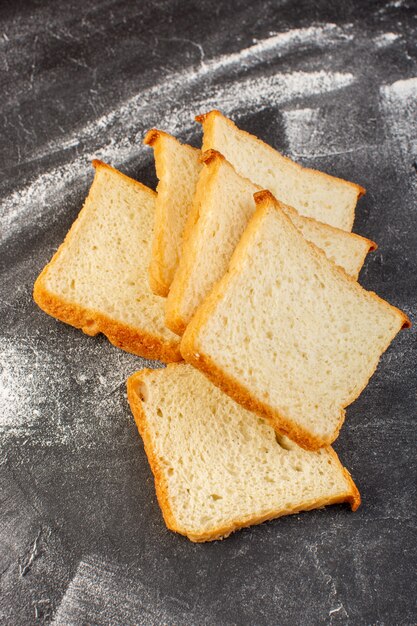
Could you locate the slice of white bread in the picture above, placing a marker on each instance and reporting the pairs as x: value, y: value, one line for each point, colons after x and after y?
x: 312, y: 193
x: 177, y: 167
x: 223, y: 204
x: 98, y: 278
x: 287, y: 333
x: 217, y: 467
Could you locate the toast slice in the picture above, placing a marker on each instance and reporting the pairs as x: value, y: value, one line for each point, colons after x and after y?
x: 312, y: 193
x: 287, y: 333
x: 218, y: 468
x: 223, y: 205
x: 98, y: 278
x: 177, y: 167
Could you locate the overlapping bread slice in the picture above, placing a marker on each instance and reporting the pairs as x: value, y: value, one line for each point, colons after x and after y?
x: 312, y: 193
x: 218, y: 467
x: 287, y: 333
x: 177, y: 167
x: 98, y: 278
x: 223, y: 205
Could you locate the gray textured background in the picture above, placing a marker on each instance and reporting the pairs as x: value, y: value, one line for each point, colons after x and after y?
x: 82, y: 540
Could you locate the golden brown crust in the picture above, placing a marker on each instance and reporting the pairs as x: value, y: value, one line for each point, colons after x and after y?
x: 208, y: 156
x: 161, y: 486
x: 158, y: 282
x: 104, y: 166
x: 134, y: 340
x: 158, y: 288
x: 160, y: 276
x: 152, y: 136
x: 174, y: 319
x: 192, y: 352
x: 222, y: 532
x: 351, y: 496
x: 372, y: 244
x: 207, y: 118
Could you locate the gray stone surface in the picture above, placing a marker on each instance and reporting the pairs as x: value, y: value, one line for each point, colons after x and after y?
x: 82, y: 539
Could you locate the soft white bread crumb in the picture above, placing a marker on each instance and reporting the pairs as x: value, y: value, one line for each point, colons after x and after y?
x: 223, y: 205
x: 312, y: 193
x: 217, y: 466
x: 177, y: 167
x: 287, y: 333
x: 98, y: 278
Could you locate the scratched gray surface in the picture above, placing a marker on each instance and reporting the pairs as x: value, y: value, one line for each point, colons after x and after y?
x: 81, y: 537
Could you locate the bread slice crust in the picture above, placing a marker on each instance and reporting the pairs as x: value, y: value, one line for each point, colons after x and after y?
x: 135, y: 340
x: 207, y: 120
x: 157, y: 281
x: 193, y: 353
x: 161, y: 272
x: 213, y: 161
x: 174, y: 319
x: 351, y: 496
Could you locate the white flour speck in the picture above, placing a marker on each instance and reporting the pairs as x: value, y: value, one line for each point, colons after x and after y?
x: 309, y: 135
x: 279, y: 42
x: 40, y: 393
x: 399, y: 105
x: 385, y: 39
x: 103, y: 592
x: 300, y: 125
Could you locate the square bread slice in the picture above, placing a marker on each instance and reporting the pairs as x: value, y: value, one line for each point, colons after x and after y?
x: 217, y: 467
x: 287, y: 333
x: 312, y: 193
x: 177, y: 167
x: 223, y: 205
x: 98, y: 278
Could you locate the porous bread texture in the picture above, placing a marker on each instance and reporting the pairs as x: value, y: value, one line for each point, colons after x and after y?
x: 287, y: 333
x: 223, y: 205
x: 312, y: 193
x: 345, y: 249
x: 218, y: 467
x: 177, y: 167
x: 98, y: 278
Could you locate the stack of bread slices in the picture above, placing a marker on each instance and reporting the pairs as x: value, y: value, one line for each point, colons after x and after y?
x: 241, y: 271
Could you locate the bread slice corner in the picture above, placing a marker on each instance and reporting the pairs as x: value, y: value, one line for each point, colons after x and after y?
x: 97, y: 279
